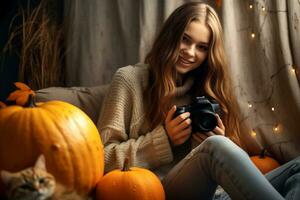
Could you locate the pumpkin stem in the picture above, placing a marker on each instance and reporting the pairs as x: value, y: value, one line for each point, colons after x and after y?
x: 30, y: 102
x: 126, y: 165
x: 262, y: 153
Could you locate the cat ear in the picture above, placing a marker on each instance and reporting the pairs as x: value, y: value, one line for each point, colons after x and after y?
x: 41, y: 163
x: 6, y: 177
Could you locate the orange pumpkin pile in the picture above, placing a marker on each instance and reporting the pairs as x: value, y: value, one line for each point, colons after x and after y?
x: 66, y: 136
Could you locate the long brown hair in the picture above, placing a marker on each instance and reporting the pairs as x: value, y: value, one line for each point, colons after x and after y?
x: 213, y: 78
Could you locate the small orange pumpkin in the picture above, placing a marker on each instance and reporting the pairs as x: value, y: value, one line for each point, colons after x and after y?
x: 264, y: 163
x: 131, y: 184
x: 66, y: 136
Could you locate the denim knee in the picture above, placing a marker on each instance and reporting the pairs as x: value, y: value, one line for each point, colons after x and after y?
x: 294, y: 179
x: 292, y: 182
x: 220, y: 142
x: 222, y: 145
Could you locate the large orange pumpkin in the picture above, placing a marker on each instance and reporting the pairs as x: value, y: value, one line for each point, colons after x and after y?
x: 131, y: 184
x: 264, y: 163
x: 63, y: 133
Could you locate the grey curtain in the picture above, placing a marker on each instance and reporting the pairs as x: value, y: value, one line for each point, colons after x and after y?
x: 262, y: 68
x: 105, y: 35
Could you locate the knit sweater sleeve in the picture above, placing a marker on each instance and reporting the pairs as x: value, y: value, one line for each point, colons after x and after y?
x: 118, y: 118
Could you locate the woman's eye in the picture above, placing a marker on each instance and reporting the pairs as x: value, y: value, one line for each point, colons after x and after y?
x: 185, y: 40
x: 202, y: 47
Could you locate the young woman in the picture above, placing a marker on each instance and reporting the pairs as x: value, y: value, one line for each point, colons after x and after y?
x: 139, y: 121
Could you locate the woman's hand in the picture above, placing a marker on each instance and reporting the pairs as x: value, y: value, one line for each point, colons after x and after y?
x: 179, y: 128
x: 219, y: 130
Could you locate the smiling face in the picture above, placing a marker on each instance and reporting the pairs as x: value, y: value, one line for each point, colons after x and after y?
x: 193, y: 47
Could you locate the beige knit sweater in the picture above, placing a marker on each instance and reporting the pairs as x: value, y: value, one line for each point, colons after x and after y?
x: 124, y: 129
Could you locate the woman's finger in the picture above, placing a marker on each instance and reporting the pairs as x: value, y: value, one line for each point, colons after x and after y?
x: 170, y: 114
x: 183, y: 125
x: 210, y: 133
x: 197, y: 138
x: 180, y: 118
x: 220, y: 123
x: 218, y: 131
x: 200, y: 137
x: 182, y: 134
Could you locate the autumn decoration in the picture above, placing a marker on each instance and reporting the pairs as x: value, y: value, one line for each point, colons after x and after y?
x: 132, y: 183
x: 264, y: 163
x: 62, y: 132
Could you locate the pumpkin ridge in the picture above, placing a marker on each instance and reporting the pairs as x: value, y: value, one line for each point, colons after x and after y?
x: 97, y: 147
x: 147, y: 181
x: 85, y: 149
x: 54, y: 119
x: 89, y: 149
x: 19, y: 121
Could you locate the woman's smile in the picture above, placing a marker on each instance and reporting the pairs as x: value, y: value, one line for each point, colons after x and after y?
x: 185, y: 62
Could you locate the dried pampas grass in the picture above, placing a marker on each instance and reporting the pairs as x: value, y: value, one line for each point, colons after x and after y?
x: 41, y: 48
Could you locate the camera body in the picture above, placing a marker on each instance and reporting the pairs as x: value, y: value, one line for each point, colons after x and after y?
x: 202, y: 112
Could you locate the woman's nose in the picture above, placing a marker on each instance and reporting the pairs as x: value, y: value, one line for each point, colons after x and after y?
x: 190, y: 50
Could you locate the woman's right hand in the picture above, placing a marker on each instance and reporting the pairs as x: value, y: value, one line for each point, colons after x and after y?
x: 179, y: 128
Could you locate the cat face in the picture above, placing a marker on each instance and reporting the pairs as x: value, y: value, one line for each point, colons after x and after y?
x: 33, y: 183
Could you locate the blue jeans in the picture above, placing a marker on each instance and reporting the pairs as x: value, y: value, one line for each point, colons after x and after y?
x: 218, y: 161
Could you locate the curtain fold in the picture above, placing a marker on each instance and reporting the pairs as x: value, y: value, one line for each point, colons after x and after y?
x: 293, y: 8
x: 262, y: 67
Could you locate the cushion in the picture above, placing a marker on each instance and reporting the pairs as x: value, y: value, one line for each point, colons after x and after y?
x: 88, y: 99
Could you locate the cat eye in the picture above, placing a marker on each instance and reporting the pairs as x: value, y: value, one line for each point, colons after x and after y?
x: 27, y: 187
x: 42, y: 181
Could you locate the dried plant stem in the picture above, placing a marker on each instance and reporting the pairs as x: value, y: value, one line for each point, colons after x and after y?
x: 41, y: 53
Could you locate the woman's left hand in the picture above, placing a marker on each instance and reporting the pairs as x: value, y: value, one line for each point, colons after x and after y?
x: 219, y: 130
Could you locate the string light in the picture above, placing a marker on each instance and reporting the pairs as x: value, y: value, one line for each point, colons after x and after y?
x: 277, y: 128
x: 275, y: 125
x: 253, y: 134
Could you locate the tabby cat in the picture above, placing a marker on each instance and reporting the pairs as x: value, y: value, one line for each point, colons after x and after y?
x: 35, y: 183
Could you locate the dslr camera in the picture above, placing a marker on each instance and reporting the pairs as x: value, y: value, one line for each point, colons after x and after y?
x: 203, y: 112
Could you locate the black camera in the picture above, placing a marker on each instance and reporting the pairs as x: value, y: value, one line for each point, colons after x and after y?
x: 203, y: 113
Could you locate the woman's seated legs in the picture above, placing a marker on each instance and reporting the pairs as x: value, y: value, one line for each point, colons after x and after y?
x: 217, y: 161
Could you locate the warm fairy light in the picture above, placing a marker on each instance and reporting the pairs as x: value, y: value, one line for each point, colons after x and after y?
x: 263, y: 8
x: 253, y: 35
x: 249, y: 105
x: 250, y: 6
x: 277, y: 128
x: 253, y: 134
x: 272, y: 108
x: 293, y: 70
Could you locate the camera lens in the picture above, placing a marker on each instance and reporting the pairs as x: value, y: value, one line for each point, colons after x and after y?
x: 206, y: 122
